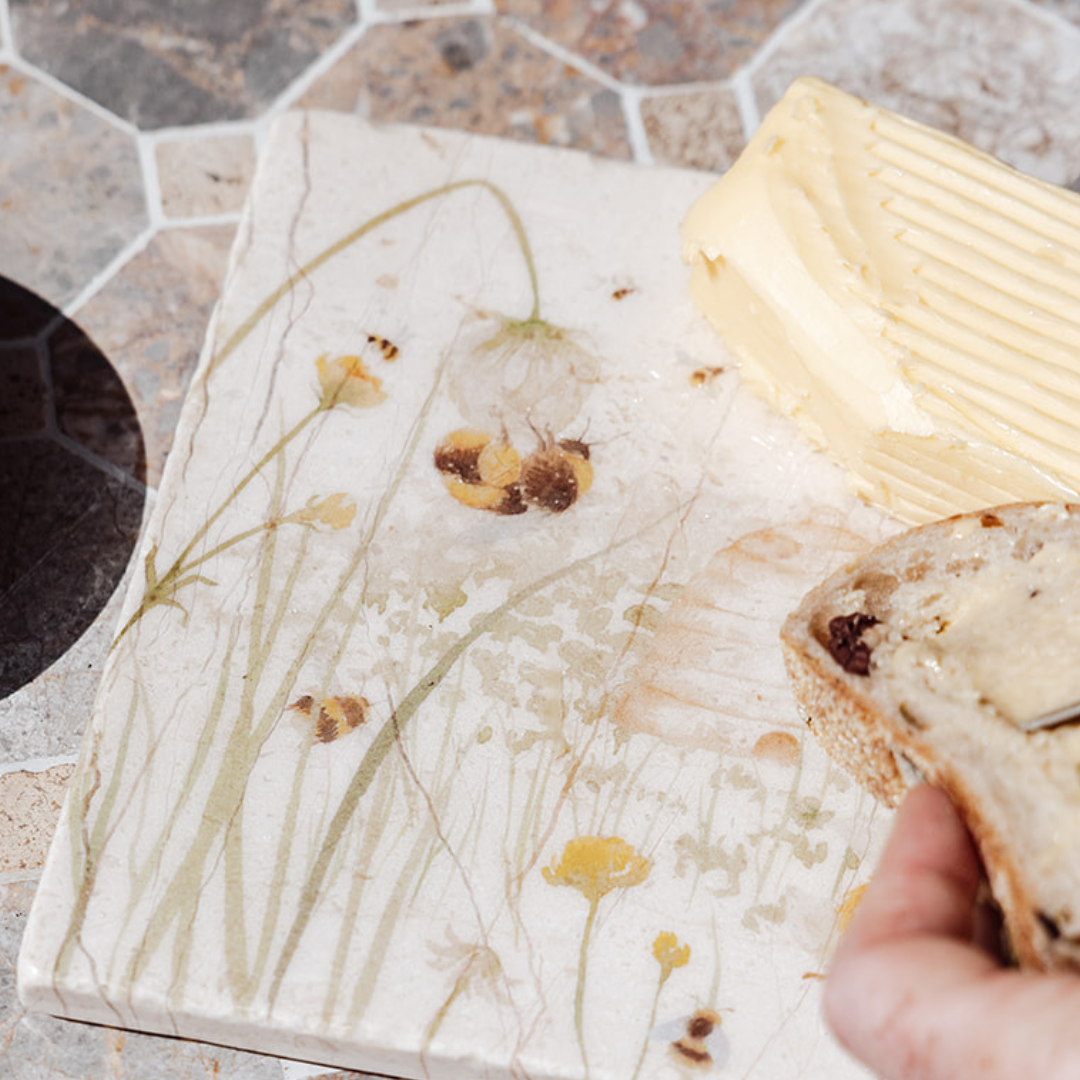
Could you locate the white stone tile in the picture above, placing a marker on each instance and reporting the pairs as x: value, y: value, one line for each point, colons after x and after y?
x: 503, y: 859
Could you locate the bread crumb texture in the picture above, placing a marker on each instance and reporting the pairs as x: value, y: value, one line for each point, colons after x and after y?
x: 966, y: 629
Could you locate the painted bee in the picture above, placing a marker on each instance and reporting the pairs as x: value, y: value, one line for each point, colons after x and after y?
x: 487, y: 473
x: 329, y: 718
x: 557, y: 474
x: 481, y: 471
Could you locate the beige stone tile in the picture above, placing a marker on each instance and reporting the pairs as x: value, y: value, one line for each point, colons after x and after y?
x: 472, y: 73
x: 150, y: 321
x: 996, y: 75
x: 204, y: 176
x: 29, y: 806
x: 700, y: 129
x: 71, y: 190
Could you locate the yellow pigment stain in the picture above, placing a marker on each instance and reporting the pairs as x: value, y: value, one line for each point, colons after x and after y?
x: 849, y: 905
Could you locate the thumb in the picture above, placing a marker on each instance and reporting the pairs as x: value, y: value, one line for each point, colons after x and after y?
x: 909, y: 993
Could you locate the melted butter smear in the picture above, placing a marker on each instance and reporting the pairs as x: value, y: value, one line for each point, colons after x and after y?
x: 911, y: 302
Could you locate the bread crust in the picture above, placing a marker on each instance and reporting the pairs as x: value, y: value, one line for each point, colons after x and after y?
x: 885, y: 752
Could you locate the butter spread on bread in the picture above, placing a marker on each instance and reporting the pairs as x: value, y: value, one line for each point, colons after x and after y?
x: 909, y: 301
x: 926, y: 656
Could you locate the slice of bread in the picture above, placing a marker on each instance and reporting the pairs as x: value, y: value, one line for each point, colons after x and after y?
x: 930, y: 656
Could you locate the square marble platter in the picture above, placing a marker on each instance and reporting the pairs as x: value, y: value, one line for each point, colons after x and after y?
x: 445, y: 731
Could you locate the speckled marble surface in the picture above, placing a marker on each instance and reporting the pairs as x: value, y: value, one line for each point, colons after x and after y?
x: 120, y: 188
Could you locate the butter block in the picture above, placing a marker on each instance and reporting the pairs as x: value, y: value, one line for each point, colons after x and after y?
x: 912, y: 303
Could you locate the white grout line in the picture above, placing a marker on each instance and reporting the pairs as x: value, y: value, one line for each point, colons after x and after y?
x: 260, y: 133
x: 96, y: 461
x: 421, y: 11
x: 107, y: 272
x: 636, y: 134
x: 211, y: 129
x: 74, y: 96
x: 311, y: 74
x: 155, y: 212
x: 680, y: 89
x: 560, y: 52
x: 198, y: 221
x: 776, y: 39
x: 149, y: 141
x: 742, y: 81
x: 749, y: 115
x: 54, y: 433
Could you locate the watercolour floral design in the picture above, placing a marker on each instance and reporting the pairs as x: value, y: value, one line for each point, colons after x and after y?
x: 477, y: 971
x: 331, y: 718
x: 345, y: 380
x: 453, y: 677
x: 594, y: 865
x: 670, y: 955
x: 526, y: 370
x: 487, y: 473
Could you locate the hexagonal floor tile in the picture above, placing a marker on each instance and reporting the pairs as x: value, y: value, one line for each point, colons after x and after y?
x: 71, y: 187
x: 204, y: 175
x: 180, y: 272
x: 161, y: 65
x: 72, y: 468
x: 996, y: 75
x: 701, y: 129
x: 657, y: 42
x: 476, y: 74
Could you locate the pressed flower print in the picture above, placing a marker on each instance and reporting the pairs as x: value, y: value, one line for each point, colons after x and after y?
x: 443, y: 731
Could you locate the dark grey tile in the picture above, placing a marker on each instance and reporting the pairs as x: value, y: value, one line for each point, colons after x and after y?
x: 22, y: 392
x: 164, y: 65
x: 72, y: 466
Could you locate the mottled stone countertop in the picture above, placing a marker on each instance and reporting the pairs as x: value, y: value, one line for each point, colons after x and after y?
x: 129, y: 133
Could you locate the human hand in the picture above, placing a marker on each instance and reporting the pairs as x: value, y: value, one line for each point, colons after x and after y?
x: 915, y: 990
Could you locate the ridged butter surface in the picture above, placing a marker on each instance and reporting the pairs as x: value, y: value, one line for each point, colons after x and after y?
x: 911, y: 302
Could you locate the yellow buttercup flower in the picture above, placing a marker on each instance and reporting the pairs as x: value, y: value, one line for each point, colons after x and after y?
x: 669, y: 953
x: 594, y: 865
x: 345, y: 380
